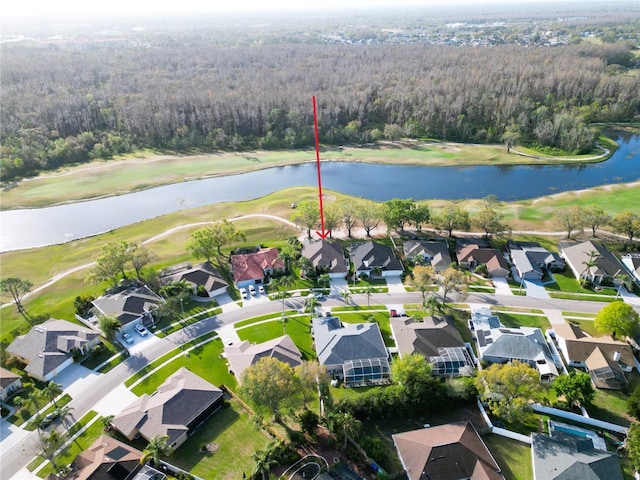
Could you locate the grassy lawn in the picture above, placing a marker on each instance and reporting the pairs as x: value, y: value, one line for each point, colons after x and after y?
x: 566, y: 282
x: 381, y: 318
x: 355, y: 308
x: 109, y: 350
x: 81, y: 443
x: 204, y: 361
x: 611, y: 405
x: 573, y: 296
x: 262, y: 318
x: 297, y: 327
x: 513, y: 457
x: 514, y: 320
x: 233, y: 430
x: 587, y: 326
x: 158, y: 361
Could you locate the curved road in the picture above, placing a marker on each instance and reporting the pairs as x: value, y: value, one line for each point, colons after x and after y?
x: 17, y: 455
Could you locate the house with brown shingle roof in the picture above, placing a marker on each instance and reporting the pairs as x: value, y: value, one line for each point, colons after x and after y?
x: 245, y: 354
x: 472, y: 255
x: 48, y: 348
x: 106, y: 459
x: 130, y: 306
x: 177, y: 407
x: 605, y: 358
x: 423, y: 252
x: 9, y: 383
x: 202, y: 275
x: 252, y: 268
x: 435, y: 338
x: 447, y: 452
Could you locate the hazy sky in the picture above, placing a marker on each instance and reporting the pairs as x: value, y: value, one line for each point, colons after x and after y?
x: 25, y: 8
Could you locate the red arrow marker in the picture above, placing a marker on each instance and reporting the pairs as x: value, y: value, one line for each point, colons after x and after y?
x: 322, y: 233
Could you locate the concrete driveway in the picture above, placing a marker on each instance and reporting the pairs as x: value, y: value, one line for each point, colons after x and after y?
x: 395, y: 284
x: 502, y: 286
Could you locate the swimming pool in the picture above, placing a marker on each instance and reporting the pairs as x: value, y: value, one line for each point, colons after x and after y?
x: 598, y: 442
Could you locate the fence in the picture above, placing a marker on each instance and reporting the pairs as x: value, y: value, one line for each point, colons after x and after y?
x: 612, y: 427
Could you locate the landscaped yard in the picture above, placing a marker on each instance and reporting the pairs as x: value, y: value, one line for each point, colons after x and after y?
x: 232, y: 430
x: 566, y: 282
x: 513, y: 457
x: 297, y: 327
x: 204, y: 361
x: 515, y: 320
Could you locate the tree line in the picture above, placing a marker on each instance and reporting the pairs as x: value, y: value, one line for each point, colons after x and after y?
x: 67, y: 104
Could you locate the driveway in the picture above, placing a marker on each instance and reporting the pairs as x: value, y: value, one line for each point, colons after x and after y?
x: 338, y: 285
x: 395, y: 284
x: 75, y: 379
x: 535, y: 289
x: 502, y: 286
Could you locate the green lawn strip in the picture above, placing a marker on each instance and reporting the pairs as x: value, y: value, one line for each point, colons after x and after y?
x: 108, y: 351
x: 355, y: 308
x: 237, y: 438
x: 515, y: 320
x: 567, y: 283
x: 513, y: 457
x: 297, y: 327
x: 579, y: 314
x: 167, y: 356
x: 204, y: 360
x: 506, y: 309
x: 574, y: 296
x: 60, y: 402
x: 586, y: 325
x: 78, y: 445
x: 180, y: 324
x: 381, y: 318
x: 113, y: 362
x: 478, y: 288
x: 261, y: 318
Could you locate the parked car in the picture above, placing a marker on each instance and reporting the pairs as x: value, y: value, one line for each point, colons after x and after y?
x: 243, y: 293
x: 127, y: 338
x: 141, y: 330
x: 252, y: 290
x: 50, y: 417
x: 261, y: 289
x: 393, y: 313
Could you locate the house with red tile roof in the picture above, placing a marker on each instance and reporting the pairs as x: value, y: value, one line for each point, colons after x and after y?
x: 252, y: 268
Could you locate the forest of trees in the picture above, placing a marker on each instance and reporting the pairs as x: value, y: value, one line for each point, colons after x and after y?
x: 69, y: 103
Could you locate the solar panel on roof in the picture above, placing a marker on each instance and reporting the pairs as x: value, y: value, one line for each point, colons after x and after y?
x: 481, y: 340
x: 117, y: 453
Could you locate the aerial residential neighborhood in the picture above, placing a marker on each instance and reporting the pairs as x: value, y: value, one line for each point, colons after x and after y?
x: 366, y: 240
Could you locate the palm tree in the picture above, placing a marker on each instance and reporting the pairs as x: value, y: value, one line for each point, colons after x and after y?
x: 64, y: 411
x: 324, y: 279
x: 368, y: 291
x: 588, y: 264
x: 158, y: 446
x: 287, y: 258
x: 311, y: 303
x: 432, y: 304
x: 263, y: 460
x: 282, y: 284
x: 51, y: 391
x: 346, y: 296
x: 305, y: 265
x: 49, y: 444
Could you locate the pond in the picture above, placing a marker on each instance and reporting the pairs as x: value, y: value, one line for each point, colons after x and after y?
x: 51, y: 225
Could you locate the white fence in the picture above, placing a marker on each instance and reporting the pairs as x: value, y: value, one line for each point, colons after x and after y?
x: 501, y: 431
x: 612, y: 427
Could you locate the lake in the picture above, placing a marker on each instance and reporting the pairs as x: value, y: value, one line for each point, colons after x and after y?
x: 51, y: 225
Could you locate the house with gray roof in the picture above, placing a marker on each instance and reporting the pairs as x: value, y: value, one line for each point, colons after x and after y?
x: 373, y: 258
x: 245, y: 354
x: 423, y: 252
x: 453, y: 451
x: 524, y: 344
x: 203, y: 275
x: 327, y: 257
x: 354, y: 353
x: 531, y: 263
x: 130, y: 306
x: 632, y: 263
x: 9, y: 383
x: 579, y: 254
x: 473, y: 255
x: 176, y: 408
x: 567, y: 457
x: 48, y: 348
x: 435, y: 338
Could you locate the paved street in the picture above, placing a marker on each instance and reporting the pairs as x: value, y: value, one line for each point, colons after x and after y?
x: 18, y: 448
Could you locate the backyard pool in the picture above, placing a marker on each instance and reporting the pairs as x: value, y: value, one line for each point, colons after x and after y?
x: 598, y: 441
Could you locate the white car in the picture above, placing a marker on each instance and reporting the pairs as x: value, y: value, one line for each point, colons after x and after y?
x: 261, y: 289
x: 127, y: 338
x: 252, y: 289
x: 141, y: 330
x: 243, y: 293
